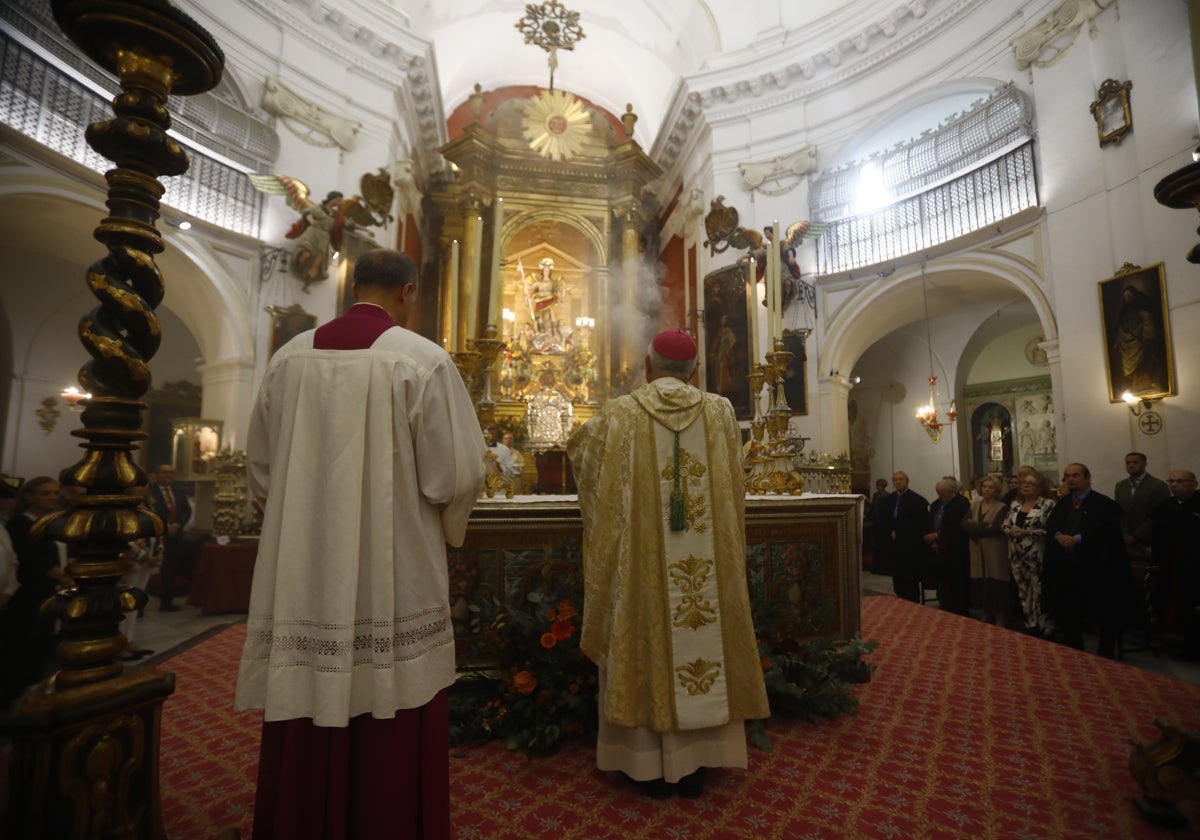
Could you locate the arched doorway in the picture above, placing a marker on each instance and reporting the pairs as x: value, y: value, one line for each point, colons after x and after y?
x: 878, y: 339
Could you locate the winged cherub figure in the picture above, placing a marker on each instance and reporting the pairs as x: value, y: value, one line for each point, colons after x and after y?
x: 320, y: 226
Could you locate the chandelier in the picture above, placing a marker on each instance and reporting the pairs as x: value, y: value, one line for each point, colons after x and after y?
x: 927, y: 415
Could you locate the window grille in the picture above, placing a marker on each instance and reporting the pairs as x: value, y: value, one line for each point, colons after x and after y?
x: 45, y: 103
x: 994, y: 191
x: 987, y: 129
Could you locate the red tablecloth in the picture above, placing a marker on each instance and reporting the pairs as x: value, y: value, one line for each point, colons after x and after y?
x: 221, y: 580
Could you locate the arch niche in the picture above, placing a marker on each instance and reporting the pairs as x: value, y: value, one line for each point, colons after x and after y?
x: 879, y: 335
x: 46, y: 226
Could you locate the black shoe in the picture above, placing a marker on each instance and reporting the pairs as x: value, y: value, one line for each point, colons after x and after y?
x: 655, y: 788
x: 168, y: 608
x: 691, y: 786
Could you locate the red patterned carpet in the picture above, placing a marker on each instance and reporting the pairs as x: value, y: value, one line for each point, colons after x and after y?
x: 966, y: 731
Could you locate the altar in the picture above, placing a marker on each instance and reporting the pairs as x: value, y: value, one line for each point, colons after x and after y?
x: 803, y: 559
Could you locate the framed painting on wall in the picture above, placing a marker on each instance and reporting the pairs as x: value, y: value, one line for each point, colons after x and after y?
x: 287, y: 322
x: 795, y: 378
x: 1137, y: 333
x: 726, y: 320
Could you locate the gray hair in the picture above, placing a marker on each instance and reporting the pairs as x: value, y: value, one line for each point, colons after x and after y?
x: 679, y: 368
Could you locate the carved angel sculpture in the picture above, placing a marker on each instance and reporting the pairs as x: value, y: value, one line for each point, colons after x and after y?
x: 320, y: 226
x: 790, y: 284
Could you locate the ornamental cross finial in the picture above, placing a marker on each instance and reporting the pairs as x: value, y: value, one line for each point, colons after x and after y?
x: 552, y: 27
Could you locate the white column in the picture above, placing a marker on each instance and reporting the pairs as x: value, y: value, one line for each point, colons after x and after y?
x: 228, y: 394
x: 832, y: 403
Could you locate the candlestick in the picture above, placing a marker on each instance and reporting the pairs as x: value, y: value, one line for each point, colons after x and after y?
x: 752, y: 295
x: 496, y: 289
x: 454, y: 296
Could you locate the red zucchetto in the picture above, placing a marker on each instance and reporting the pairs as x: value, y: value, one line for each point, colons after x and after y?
x: 674, y: 344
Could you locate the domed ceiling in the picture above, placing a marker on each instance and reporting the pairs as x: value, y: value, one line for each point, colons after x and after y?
x: 635, y: 51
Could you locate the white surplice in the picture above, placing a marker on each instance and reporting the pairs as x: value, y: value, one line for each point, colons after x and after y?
x: 370, y: 462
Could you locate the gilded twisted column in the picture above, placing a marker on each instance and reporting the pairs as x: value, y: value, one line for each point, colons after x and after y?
x: 155, y: 50
x: 85, y: 759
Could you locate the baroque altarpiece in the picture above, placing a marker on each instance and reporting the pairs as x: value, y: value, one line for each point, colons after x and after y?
x: 546, y: 201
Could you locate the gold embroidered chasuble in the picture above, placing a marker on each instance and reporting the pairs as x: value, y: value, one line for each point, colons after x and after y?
x: 667, y: 613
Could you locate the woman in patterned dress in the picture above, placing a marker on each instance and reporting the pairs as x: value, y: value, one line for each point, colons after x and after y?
x: 1026, y: 530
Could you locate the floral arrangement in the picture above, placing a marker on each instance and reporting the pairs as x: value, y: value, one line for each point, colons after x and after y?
x: 808, y: 679
x: 542, y: 689
x: 542, y: 693
x: 549, y: 692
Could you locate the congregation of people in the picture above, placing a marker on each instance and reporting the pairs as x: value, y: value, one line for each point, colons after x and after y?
x: 34, y: 569
x: 1057, y: 562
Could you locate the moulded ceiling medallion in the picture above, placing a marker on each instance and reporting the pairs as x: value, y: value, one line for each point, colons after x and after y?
x: 555, y: 124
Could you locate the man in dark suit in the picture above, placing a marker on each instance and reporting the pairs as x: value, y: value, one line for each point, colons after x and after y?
x: 903, y: 518
x: 169, y: 500
x: 949, y: 561
x: 1177, y: 554
x: 1087, y: 575
x: 1138, y: 495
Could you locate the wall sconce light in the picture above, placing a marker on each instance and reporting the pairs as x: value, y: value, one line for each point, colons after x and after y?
x: 48, y: 415
x: 1112, y: 111
x: 1139, y: 404
x: 72, y: 396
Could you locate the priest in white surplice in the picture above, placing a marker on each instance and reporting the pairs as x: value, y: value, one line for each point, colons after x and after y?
x: 666, y: 604
x: 365, y: 446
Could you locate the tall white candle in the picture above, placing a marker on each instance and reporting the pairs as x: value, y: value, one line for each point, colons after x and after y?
x: 776, y: 310
x: 495, y: 290
x: 752, y: 296
x: 473, y: 288
x: 454, y: 296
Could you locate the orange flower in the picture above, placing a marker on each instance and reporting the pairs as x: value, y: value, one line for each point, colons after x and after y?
x: 525, y: 682
x: 551, y: 614
x: 562, y: 629
x: 549, y: 640
x: 565, y: 610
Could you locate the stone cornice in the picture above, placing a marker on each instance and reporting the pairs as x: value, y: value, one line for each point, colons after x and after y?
x: 732, y: 93
x: 380, y: 50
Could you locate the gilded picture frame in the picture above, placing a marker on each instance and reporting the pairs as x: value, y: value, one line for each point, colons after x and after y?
x: 287, y: 322
x: 727, y: 303
x: 795, y: 378
x: 1112, y: 112
x: 1137, y: 333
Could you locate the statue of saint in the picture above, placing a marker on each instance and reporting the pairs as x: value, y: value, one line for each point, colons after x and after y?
x: 543, y: 292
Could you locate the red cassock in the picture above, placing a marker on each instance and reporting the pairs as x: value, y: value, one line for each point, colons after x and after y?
x: 374, y: 778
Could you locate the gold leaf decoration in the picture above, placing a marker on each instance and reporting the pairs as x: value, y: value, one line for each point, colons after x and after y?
x: 698, y: 677
x: 555, y: 124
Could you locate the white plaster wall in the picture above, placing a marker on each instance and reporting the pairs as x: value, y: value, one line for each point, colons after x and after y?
x: 1004, y: 358
x: 48, y: 356
x: 1100, y: 210
x: 1101, y: 213
x: 312, y: 59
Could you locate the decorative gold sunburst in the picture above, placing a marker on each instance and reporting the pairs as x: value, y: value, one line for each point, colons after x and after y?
x: 555, y: 124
